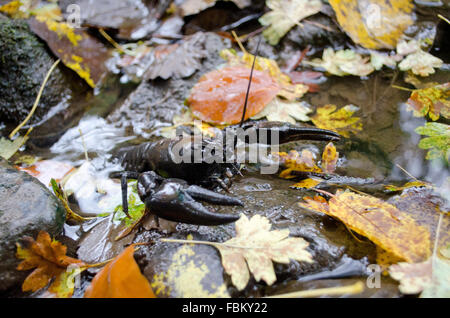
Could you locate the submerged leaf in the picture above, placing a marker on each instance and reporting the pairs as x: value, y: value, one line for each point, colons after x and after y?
x: 438, y: 141
x: 420, y: 63
x: 407, y: 185
x: 219, y: 96
x: 120, y: 278
x: 48, y: 259
x: 286, y: 14
x: 375, y: 24
x: 329, y: 158
x: 340, y: 121
x: 432, y: 101
x: 385, y: 225
x: 284, y: 111
x: 343, y: 62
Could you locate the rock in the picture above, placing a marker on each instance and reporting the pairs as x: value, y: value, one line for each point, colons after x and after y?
x: 24, y: 62
x: 26, y: 207
x: 159, y: 100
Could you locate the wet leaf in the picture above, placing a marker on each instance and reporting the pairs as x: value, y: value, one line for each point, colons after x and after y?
x: 407, y: 185
x: 378, y: 60
x: 136, y: 208
x: 120, y: 278
x: 284, y: 15
x: 385, y: 225
x: 190, y: 7
x: 48, y: 259
x: 62, y: 196
x: 293, y: 161
x: 177, y: 60
x: 219, y: 96
x: 8, y: 148
x: 306, y: 183
x: 284, y: 111
x: 329, y: 158
x: 340, y: 121
x: 420, y: 63
x: 432, y: 101
x: 343, y: 62
x: 438, y: 141
x: 288, y: 90
x: 254, y: 248
x: 430, y: 278
x: 77, y: 49
x: 375, y: 24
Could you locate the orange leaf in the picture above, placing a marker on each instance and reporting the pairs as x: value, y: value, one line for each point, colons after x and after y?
x: 121, y: 278
x: 48, y: 258
x: 219, y: 96
x: 329, y: 158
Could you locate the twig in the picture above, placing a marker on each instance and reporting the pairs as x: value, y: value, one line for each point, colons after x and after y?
x: 356, y: 288
x: 36, y: 102
x: 443, y: 18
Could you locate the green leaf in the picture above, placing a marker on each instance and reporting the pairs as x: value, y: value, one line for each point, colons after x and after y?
x: 136, y: 207
x: 438, y: 141
x: 8, y: 148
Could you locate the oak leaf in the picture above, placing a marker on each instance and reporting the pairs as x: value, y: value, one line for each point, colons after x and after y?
x: 432, y: 101
x: 438, y: 140
x: 120, y: 278
x: 48, y: 259
x: 374, y: 24
x: 385, y: 225
x: 284, y: 15
x: 340, y: 121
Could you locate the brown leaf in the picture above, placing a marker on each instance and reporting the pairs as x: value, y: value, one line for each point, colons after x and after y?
x: 120, y: 278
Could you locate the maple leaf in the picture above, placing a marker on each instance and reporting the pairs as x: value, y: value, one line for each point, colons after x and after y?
x: 254, y: 248
x: 343, y: 62
x: 375, y: 24
x: 438, y: 141
x: 48, y: 259
x: 420, y: 63
x: 284, y: 111
x: 288, y: 90
x: 120, y: 278
x: 284, y: 15
x: 340, y: 121
x: 388, y: 227
x: 432, y: 101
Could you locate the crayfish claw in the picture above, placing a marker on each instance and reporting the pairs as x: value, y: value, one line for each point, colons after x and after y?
x: 209, y: 196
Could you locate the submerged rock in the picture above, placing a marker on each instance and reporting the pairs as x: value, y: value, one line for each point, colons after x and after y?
x: 24, y: 62
x: 26, y: 207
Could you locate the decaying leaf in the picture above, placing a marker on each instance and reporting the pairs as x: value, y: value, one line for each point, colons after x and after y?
x: 219, y: 96
x: 62, y: 196
x: 120, y: 278
x: 285, y: 111
x: 254, y: 248
x: 340, y: 121
x: 329, y: 158
x: 8, y: 148
x: 77, y: 49
x: 438, y: 141
x: 286, y: 14
x: 393, y: 188
x: 432, y: 101
x: 343, y: 62
x: 378, y: 60
x: 385, y: 225
x: 307, y: 183
x: 430, y: 278
x: 288, y: 90
x: 375, y: 24
x: 136, y: 209
x: 420, y: 63
x: 48, y: 259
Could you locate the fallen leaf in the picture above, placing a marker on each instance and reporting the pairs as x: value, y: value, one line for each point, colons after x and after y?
x: 45, y: 170
x: 306, y: 183
x: 62, y: 196
x: 190, y: 7
x: 284, y: 15
x: 219, y: 96
x: 120, y: 278
x: 438, y: 141
x: 432, y: 101
x: 254, y: 248
x: 308, y: 78
x: 375, y: 24
x: 382, y: 223
x: 293, y: 161
x: 343, y: 62
x: 77, y: 49
x: 284, y: 111
x: 329, y: 158
x: 136, y: 208
x: 378, y: 60
x: 48, y: 259
x: 340, y: 121
x: 420, y: 63
x: 288, y: 90
x: 407, y: 47
x: 393, y: 188
x: 8, y: 148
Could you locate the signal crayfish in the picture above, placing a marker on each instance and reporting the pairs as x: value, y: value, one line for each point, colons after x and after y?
x: 175, y: 172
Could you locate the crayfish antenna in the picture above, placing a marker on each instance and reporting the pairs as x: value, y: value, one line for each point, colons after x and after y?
x: 250, y: 82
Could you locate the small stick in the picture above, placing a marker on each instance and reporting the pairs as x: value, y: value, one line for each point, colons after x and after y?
x: 356, y: 288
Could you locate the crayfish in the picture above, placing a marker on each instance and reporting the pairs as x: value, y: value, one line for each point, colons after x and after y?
x: 170, y: 188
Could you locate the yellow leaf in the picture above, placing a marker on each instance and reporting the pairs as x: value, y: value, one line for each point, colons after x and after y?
x: 375, y: 24
x: 432, y: 101
x: 306, y: 183
x: 340, y: 121
x: 390, y: 228
x: 329, y: 158
x: 407, y: 185
x: 284, y: 111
